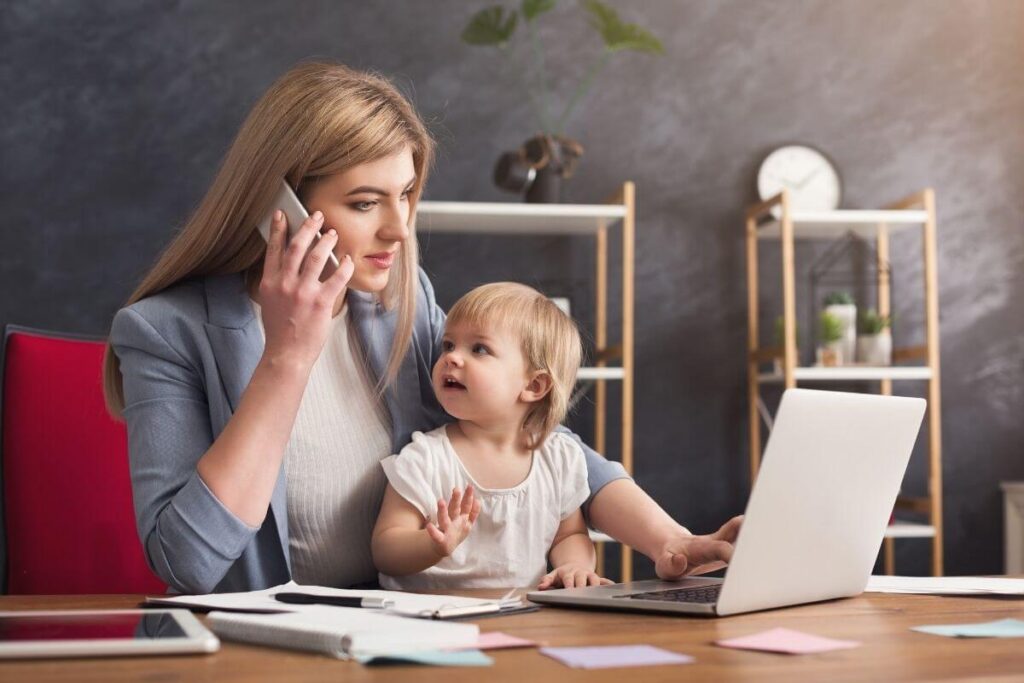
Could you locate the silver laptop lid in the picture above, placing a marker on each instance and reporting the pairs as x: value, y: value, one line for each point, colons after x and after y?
x: 819, y: 508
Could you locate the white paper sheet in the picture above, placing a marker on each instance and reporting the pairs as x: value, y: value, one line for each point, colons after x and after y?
x: 945, y: 585
x: 406, y: 604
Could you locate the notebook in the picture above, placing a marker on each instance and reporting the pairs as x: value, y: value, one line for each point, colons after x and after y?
x: 342, y: 632
x: 404, y: 604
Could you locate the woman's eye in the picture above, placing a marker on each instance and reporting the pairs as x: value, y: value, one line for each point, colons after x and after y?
x: 405, y: 195
x: 480, y: 349
x: 364, y: 206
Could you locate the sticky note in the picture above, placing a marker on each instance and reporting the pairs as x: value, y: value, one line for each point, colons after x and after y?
x: 496, y: 640
x: 429, y: 657
x: 614, y: 656
x: 787, y: 641
x: 1003, y: 628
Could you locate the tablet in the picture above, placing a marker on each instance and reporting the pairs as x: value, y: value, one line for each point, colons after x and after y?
x: 102, y: 633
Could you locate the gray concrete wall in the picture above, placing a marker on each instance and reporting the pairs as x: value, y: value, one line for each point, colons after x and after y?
x: 115, y: 115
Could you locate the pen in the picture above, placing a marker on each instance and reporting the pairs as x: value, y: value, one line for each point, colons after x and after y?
x: 336, y: 600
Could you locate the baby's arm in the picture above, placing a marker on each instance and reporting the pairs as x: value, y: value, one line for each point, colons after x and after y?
x: 404, y: 543
x: 572, y: 556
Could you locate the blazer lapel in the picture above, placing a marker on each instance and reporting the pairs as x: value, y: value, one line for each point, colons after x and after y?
x: 237, y: 346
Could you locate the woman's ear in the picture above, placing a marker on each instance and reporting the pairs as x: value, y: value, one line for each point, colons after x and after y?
x: 538, y: 387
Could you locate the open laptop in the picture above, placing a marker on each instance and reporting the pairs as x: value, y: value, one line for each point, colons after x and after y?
x: 815, y: 519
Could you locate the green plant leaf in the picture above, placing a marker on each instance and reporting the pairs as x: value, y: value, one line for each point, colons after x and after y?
x: 534, y: 8
x: 491, y: 26
x: 617, y: 34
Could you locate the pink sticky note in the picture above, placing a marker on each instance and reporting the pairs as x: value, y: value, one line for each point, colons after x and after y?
x: 608, y: 657
x: 496, y: 640
x: 787, y: 641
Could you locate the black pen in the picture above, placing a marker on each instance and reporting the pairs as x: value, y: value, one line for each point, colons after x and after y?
x: 336, y: 600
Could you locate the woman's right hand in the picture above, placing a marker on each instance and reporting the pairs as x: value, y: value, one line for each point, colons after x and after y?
x: 297, y: 307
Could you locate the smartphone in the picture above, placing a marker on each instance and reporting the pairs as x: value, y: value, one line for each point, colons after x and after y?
x: 295, y: 214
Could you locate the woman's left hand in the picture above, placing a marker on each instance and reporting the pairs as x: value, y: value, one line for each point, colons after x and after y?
x: 572, y: 575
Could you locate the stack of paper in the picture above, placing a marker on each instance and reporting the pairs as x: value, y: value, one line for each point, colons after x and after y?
x: 945, y: 585
x: 404, y: 604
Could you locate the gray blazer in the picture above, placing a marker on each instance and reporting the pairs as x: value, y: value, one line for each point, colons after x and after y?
x: 186, y: 356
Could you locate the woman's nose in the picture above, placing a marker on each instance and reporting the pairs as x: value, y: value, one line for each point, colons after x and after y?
x: 395, y: 227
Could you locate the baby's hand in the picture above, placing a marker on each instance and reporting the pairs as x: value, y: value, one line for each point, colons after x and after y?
x: 454, y: 521
x: 572, y: 575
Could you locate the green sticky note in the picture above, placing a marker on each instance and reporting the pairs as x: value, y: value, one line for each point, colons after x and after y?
x: 1002, y: 628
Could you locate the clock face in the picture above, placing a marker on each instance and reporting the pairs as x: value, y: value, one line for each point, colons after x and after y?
x: 810, y: 177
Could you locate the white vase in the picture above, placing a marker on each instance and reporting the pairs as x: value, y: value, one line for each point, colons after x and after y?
x: 846, y: 314
x: 875, y: 349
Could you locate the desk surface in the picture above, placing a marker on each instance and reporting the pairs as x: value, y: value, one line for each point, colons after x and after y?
x: 890, y: 651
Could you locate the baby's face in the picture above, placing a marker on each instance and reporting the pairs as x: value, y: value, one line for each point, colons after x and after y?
x: 480, y: 374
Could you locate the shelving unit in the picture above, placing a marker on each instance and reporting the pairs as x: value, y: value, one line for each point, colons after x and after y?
x: 501, y: 218
x: 773, y: 220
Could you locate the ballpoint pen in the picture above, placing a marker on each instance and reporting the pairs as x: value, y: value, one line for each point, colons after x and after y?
x: 335, y: 600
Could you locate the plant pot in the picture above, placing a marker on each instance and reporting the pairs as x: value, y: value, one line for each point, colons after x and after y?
x: 846, y: 314
x: 830, y: 355
x: 538, y: 168
x: 875, y: 349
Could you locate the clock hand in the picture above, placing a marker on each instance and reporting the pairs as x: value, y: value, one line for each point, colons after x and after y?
x: 806, y: 179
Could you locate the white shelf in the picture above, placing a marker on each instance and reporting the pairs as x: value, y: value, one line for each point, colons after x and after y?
x: 900, y: 529
x: 600, y: 373
x: 832, y: 224
x: 509, y: 218
x: 598, y: 537
x: 841, y: 374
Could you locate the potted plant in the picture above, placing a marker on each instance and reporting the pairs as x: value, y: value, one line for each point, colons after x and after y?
x: 842, y: 306
x: 874, y: 343
x: 540, y: 165
x: 830, y: 330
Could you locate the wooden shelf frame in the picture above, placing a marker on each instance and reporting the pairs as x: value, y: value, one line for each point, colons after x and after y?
x: 506, y: 218
x: 916, y: 211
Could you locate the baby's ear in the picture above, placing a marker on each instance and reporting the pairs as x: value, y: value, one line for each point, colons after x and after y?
x: 538, y: 387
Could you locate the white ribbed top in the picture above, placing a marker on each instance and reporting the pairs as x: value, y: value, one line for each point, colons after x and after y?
x: 332, y: 464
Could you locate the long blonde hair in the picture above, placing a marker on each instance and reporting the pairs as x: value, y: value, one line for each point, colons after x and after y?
x: 316, y: 120
x: 549, y: 339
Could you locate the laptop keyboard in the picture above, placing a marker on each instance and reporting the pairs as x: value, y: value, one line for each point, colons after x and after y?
x: 699, y: 594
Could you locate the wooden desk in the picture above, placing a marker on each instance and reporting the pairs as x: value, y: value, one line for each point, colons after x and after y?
x: 890, y: 652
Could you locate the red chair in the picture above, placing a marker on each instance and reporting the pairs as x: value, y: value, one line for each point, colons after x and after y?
x: 67, y: 501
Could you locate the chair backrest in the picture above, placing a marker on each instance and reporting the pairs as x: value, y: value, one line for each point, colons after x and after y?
x: 67, y: 503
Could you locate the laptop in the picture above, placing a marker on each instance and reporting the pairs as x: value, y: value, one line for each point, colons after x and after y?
x: 815, y: 519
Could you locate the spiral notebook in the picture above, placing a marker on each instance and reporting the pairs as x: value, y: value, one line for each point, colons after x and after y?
x: 342, y: 632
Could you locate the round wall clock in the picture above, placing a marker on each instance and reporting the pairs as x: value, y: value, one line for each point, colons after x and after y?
x: 812, y: 180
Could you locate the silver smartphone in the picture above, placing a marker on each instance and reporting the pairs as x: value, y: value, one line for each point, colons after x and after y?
x: 294, y: 212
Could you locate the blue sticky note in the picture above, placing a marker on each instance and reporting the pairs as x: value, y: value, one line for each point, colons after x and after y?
x: 430, y: 658
x: 1003, y: 628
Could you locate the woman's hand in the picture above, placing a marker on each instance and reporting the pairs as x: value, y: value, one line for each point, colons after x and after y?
x: 297, y: 306
x: 689, y: 555
x: 572, y: 575
x: 455, y: 520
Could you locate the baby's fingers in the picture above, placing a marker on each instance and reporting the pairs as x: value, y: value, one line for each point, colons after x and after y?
x: 435, y: 534
x: 442, y: 515
x: 547, y: 581
x: 468, y: 500
x: 456, y: 502
x: 475, y: 512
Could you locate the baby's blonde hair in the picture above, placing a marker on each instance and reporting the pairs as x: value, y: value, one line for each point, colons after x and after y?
x: 547, y: 336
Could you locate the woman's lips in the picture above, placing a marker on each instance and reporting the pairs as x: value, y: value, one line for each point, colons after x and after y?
x: 382, y: 260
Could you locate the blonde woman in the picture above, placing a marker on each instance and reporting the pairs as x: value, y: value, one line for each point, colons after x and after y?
x: 261, y: 392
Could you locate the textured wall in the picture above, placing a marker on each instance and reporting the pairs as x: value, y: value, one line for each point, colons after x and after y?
x: 115, y: 116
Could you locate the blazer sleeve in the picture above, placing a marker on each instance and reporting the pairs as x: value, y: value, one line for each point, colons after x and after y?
x: 190, y: 538
x: 600, y: 470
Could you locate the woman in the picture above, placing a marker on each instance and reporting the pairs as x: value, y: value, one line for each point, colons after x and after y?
x: 261, y: 391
